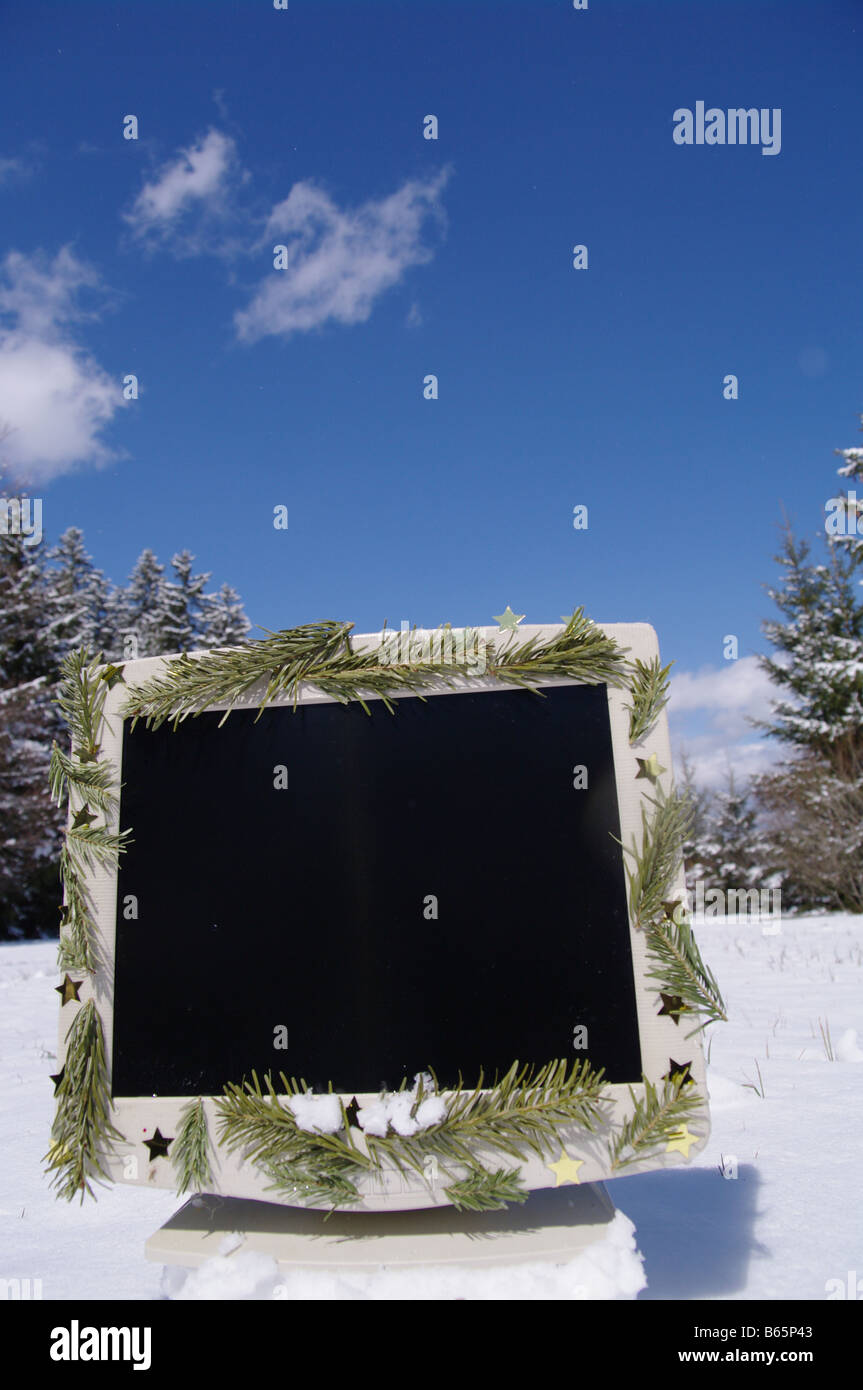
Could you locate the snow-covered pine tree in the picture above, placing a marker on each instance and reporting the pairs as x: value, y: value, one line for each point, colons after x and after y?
x: 814, y: 801
x: 224, y: 623
x: 731, y: 849
x: 138, y: 609
x: 30, y: 826
x: 820, y: 654
x: 180, y: 617
x: 83, y: 610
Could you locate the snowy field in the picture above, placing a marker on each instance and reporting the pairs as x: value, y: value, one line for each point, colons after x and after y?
x: 787, y: 1224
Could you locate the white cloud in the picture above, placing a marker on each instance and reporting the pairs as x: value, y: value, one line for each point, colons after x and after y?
x: 198, y: 177
x: 54, y: 397
x: 13, y: 168
x: 339, y: 261
x: 709, y: 712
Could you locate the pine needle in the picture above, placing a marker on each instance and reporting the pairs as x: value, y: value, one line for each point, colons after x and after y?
x: 683, y: 971
x: 654, y: 1122
x: 320, y: 654
x: 487, y: 1191
x: 190, y: 1153
x: 82, y: 1132
x: 658, y: 859
x: 649, y: 689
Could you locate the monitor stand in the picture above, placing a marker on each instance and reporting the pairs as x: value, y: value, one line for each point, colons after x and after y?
x: 553, y: 1225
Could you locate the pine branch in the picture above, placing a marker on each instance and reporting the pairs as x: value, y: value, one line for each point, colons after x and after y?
x: 89, y: 844
x: 657, y: 860
x: 254, y: 1120
x: 320, y: 654
x: 654, y: 1122
x: 487, y: 1191
x: 82, y: 1131
x: 190, y: 1153
x: 93, y: 781
x: 582, y: 652
x: 314, y: 1178
x: 77, y: 927
x: 81, y: 701
x: 518, y: 1115
x: 683, y: 971
x: 649, y: 689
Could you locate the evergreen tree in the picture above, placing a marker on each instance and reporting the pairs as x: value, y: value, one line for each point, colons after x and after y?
x: 730, y: 848
x: 814, y: 801
x: 180, y: 618
x: 820, y: 646
x: 224, y: 623
x: 30, y: 826
x: 83, y: 608
x: 138, y: 609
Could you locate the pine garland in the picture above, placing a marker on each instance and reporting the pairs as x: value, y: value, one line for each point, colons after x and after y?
x: 520, y: 1114
x: 82, y: 1132
x: 321, y: 654
x: 654, y: 1122
x: 85, y: 781
x: 649, y: 688
x: 190, y: 1152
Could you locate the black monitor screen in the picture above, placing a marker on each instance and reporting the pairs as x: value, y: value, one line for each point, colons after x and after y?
x: 429, y: 890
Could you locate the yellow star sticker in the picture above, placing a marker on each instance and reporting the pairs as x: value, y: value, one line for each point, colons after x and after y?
x: 566, y: 1168
x: 649, y: 767
x: 508, y: 620
x: 681, y: 1141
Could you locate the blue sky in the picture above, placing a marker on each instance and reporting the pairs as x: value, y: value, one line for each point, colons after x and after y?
x: 451, y: 257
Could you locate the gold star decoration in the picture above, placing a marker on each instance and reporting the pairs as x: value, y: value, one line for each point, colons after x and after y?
x: 57, y: 1078
x: 681, y: 1141
x: 112, y: 674
x: 649, y: 767
x: 674, y: 911
x: 679, y: 1071
x: 673, y: 1006
x: 352, y: 1111
x: 508, y: 620
x: 158, y: 1145
x: 68, y: 991
x: 566, y: 1168
x: 83, y: 817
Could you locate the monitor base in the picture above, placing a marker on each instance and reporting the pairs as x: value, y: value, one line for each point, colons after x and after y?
x: 553, y: 1225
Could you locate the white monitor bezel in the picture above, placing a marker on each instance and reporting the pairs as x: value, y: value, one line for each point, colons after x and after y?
x: 661, y: 1038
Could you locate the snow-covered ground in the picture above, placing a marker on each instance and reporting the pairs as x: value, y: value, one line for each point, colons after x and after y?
x: 787, y: 1224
